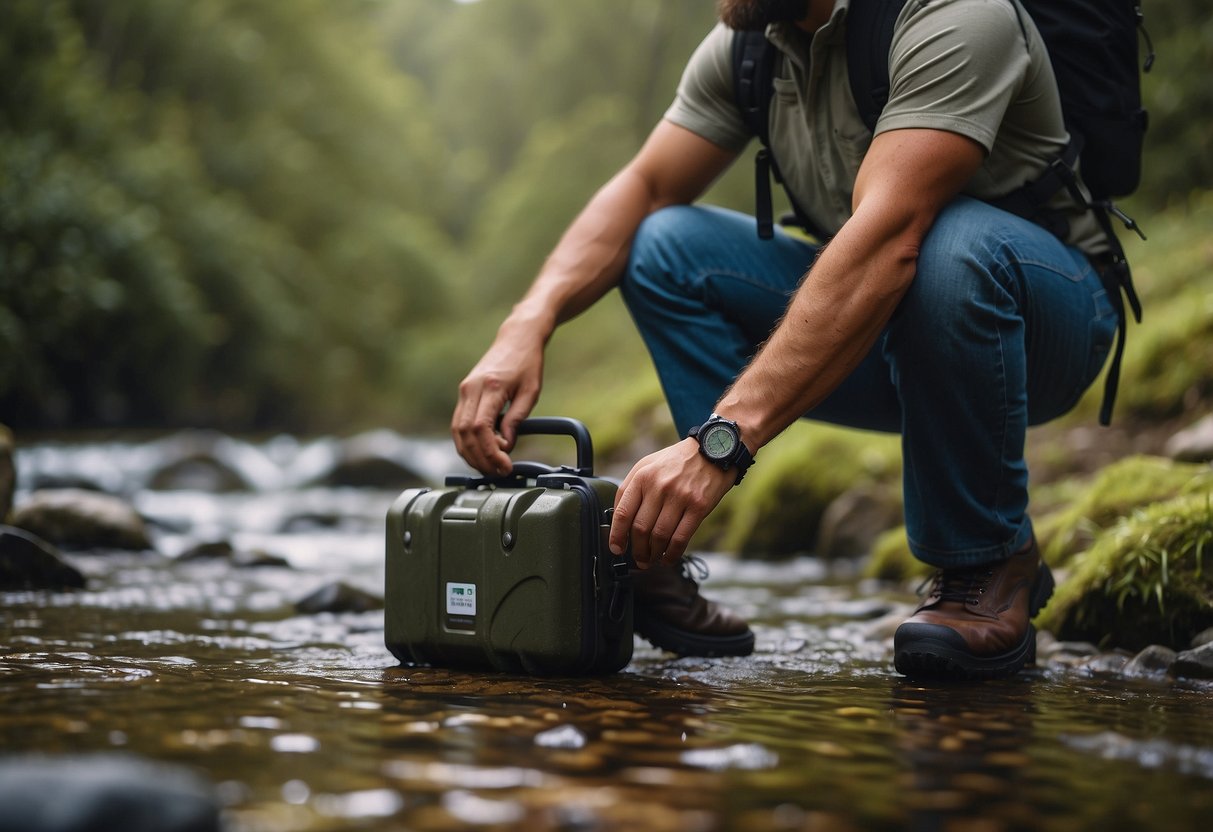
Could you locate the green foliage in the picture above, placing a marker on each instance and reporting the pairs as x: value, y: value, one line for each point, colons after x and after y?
x: 778, y: 512
x: 1115, y: 492
x: 1146, y: 580
x: 312, y: 213
x: 1179, y: 98
x: 1168, y: 360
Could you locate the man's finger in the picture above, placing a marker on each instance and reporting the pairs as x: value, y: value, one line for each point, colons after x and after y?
x: 519, y: 408
x: 681, y: 538
x: 621, y: 521
x: 484, y: 434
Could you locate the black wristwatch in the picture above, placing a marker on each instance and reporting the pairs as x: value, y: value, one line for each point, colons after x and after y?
x: 720, y: 443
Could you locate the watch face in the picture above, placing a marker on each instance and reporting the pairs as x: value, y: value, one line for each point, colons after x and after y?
x: 719, y: 442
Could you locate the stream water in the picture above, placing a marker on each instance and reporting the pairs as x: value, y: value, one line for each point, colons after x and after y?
x: 306, y: 722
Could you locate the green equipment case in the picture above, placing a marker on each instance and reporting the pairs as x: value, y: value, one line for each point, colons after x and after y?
x: 510, y: 573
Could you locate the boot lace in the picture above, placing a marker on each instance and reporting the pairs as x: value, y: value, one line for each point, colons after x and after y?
x: 965, y: 586
x: 696, y: 564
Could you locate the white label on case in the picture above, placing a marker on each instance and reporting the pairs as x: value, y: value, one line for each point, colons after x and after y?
x: 460, y: 599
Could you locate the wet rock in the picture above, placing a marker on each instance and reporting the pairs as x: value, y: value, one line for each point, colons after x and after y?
x: 378, y: 459
x: 1194, y: 443
x: 240, y: 558
x: 1105, y: 664
x: 208, y: 550
x: 8, y: 472
x: 1194, y: 664
x: 82, y: 519
x: 28, y: 562
x: 211, y: 462
x: 1202, y: 638
x: 103, y: 792
x: 1154, y: 662
x: 257, y: 558
x: 1068, y: 653
x: 191, y: 461
x: 852, y: 522
x: 339, y: 597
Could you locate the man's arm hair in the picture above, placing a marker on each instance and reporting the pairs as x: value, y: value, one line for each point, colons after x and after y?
x: 845, y: 301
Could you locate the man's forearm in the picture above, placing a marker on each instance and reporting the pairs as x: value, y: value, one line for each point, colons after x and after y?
x: 830, y: 325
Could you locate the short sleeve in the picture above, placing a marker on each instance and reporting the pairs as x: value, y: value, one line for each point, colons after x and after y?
x: 955, y: 66
x: 704, y: 102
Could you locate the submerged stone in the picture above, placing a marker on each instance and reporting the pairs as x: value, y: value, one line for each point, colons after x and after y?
x: 103, y: 792
x: 82, y: 519
x: 28, y: 562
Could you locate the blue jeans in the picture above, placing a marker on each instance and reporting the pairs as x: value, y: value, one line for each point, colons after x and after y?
x: 1002, y: 327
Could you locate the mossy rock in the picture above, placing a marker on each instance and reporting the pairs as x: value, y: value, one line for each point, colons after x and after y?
x: 1146, y: 580
x: 1115, y: 492
x: 891, y: 559
x: 777, y: 510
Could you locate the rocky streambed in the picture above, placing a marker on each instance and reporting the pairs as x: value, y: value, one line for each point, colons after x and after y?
x: 232, y: 658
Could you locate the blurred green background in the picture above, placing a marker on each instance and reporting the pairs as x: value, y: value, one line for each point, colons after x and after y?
x: 312, y: 214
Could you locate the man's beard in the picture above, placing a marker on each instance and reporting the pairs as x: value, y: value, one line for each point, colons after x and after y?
x: 756, y: 14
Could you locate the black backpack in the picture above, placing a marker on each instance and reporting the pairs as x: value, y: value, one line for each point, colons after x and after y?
x: 1092, y: 45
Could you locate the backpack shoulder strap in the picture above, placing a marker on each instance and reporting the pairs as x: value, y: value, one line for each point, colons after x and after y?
x: 869, y: 36
x: 753, y: 69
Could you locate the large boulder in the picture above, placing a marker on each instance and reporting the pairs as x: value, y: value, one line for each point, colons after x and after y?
x: 8, y: 472
x: 102, y: 792
x: 28, y: 562
x: 82, y: 519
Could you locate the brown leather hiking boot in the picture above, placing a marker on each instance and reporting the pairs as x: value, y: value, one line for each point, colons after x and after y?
x: 976, y: 622
x: 669, y: 612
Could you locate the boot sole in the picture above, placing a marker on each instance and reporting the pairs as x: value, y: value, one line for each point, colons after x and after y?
x: 920, y: 653
x: 685, y: 643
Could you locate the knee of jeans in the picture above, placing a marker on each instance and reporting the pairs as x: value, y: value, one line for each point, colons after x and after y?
x: 958, y: 266
x: 653, y: 250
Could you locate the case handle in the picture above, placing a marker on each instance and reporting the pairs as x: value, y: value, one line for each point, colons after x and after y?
x: 561, y: 426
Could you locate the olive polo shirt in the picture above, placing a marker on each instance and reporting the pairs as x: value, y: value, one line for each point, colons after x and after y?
x: 957, y: 65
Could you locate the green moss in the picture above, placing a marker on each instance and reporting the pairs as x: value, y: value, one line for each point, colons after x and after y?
x: 1146, y: 580
x: 778, y: 510
x: 1114, y: 492
x: 891, y: 559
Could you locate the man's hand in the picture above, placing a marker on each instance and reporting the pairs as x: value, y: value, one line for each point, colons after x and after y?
x: 663, y: 500
x: 510, y: 373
